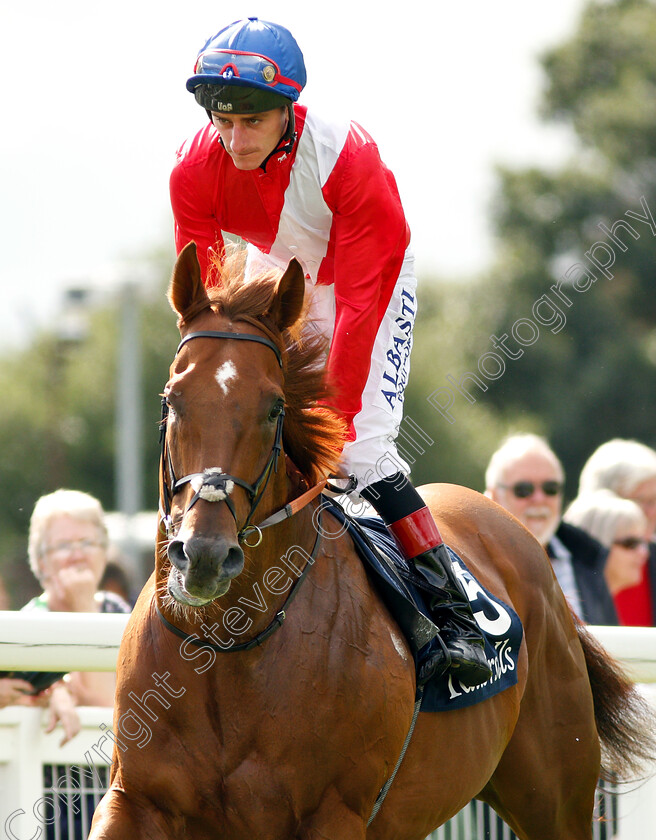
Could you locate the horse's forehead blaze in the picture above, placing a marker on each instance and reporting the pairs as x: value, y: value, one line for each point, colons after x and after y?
x: 226, y: 373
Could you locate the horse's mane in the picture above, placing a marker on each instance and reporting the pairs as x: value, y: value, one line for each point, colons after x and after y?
x: 313, y: 431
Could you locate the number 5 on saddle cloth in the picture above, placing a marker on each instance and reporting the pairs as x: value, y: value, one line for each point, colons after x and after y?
x: 403, y: 595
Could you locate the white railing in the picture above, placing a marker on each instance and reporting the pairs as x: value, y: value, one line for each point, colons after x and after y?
x: 52, y: 790
x: 57, y: 641
x: 47, y: 790
x: 85, y: 641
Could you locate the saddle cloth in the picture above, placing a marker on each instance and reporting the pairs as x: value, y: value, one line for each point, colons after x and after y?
x: 499, y: 623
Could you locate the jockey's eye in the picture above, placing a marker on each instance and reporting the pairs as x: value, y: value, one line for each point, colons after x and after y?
x: 276, y: 411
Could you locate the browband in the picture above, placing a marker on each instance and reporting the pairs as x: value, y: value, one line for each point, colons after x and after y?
x: 243, y: 336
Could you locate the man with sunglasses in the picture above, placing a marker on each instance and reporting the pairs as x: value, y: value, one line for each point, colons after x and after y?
x: 292, y: 184
x: 526, y: 477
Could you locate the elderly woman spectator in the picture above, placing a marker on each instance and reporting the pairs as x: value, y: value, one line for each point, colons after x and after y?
x: 628, y: 468
x: 621, y: 526
x: 67, y: 548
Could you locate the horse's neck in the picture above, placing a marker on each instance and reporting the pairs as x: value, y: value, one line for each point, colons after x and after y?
x: 272, y: 568
x: 285, y: 548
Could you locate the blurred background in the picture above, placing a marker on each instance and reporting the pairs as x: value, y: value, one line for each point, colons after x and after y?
x: 513, y: 130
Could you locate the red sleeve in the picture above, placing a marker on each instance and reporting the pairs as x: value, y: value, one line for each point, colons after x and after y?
x: 192, y: 186
x: 369, y: 238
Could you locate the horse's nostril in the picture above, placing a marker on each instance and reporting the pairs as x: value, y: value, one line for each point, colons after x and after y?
x: 177, y: 554
x: 234, y: 562
x: 199, y: 553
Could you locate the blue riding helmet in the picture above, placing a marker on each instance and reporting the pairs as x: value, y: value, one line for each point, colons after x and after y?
x: 248, y: 67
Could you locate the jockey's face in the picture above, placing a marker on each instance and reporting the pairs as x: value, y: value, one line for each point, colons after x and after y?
x: 250, y: 138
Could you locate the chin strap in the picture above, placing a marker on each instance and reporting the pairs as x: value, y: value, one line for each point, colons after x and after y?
x: 285, y: 149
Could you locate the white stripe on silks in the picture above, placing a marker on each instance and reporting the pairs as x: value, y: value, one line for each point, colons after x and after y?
x: 359, y: 132
x: 306, y: 220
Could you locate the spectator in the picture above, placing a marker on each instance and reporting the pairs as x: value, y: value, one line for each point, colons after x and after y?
x: 620, y: 525
x: 68, y: 552
x: 628, y: 468
x: 526, y: 477
x: 13, y: 691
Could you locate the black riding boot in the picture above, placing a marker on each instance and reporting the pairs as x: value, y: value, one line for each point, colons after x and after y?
x: 452, y: 612
x: 414, y: 530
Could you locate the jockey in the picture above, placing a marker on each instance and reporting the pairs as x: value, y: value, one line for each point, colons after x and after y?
x: 291, y: 184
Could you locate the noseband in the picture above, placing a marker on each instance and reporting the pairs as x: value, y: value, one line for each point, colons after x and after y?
x: 213, y: 484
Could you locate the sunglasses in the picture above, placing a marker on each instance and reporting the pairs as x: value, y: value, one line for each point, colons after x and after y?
x: 630, y: 542
x: 524, y: 489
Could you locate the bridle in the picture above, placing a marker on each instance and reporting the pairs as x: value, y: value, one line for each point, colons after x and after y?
x: 212, y: 483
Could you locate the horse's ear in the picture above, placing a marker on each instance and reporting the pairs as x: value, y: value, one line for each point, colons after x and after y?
x: 287, y: 305
x: 186, y: 292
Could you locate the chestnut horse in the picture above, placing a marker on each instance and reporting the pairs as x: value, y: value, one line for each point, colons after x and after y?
x: 264, y: 690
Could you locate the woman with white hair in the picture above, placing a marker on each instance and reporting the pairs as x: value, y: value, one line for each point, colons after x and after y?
x: 628, y: 469
x: 620, y: 525
x: 67, y: 549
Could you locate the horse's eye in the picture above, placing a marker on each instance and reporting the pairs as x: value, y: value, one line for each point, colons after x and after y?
x: 276, y: 411
x: 169, y: 397
x: 169, y: 407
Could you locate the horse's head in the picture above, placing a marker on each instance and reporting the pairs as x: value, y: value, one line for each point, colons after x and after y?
x: 223, y: 409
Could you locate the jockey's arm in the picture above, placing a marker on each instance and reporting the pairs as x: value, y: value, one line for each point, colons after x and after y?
x: 371, y: 237
x: 194, y: 221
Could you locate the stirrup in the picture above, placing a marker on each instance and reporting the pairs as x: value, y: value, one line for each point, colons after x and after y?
x: 436, y: 665
x: 468, y: 662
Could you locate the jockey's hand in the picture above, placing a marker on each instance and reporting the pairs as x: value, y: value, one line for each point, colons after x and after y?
x: 341, y: 483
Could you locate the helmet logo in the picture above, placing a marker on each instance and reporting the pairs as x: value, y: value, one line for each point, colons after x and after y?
x: 223, y: 106
x: 269, y: 73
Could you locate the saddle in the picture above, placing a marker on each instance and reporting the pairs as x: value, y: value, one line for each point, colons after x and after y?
x: 406, y: 595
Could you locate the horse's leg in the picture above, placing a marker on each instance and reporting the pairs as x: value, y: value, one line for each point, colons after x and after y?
x: 117, y: 817
x: 544, y: 785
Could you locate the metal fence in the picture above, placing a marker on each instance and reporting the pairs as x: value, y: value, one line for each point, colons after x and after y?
x: 70, y: 796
